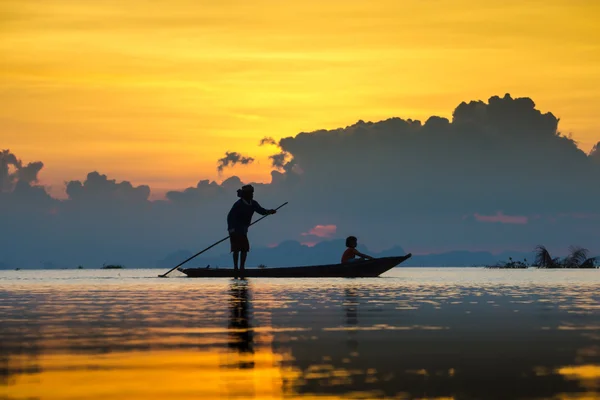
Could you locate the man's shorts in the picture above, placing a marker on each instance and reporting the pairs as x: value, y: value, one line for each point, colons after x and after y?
x: 239, y: 242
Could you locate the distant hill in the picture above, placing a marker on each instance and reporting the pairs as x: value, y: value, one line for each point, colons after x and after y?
x: 292, y: 253
x: 465, y: 259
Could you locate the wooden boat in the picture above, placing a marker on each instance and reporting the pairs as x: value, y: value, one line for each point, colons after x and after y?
x: 356, y: 269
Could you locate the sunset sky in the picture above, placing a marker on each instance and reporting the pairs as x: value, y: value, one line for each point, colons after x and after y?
x: 156, y: 92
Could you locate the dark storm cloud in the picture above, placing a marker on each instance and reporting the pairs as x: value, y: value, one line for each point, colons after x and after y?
x: 497, y: 176
x: 231, y: 159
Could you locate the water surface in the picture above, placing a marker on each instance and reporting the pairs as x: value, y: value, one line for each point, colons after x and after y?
x: 458, y: 333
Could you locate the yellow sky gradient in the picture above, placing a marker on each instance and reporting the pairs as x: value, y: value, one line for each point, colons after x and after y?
x: 156, y: 92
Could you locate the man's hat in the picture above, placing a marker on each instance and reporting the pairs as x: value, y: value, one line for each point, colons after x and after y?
x: 245, y: 189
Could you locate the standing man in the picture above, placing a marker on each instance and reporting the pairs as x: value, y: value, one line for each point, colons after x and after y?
x: 238, y: 221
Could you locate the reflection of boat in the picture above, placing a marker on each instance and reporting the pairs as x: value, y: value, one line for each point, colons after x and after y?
x: 351, y: 308
x: 356, y: 269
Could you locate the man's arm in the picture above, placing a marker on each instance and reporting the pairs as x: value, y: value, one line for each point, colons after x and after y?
x: 260, y: 210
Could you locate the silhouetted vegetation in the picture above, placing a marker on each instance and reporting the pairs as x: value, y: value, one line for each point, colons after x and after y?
x: 510, y: 264
x: 577, y: 258
x: 112, y: 266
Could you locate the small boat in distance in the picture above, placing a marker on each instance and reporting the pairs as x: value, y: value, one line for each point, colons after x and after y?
x: 356, y: 269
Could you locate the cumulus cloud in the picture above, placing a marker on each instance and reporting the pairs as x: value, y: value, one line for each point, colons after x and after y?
x: 502, y: 162
x: 12, y: 171
x: 503, y: 154
x: 7, y: 160
x: 278, y: 160
x: 501, y: 158
x: 595, y: 153
x: 29, y: 173
x: 281, y: 160
x: 231, y: 159
x: 267, y: 140
x: 98, y: 187
x: 204, y: 190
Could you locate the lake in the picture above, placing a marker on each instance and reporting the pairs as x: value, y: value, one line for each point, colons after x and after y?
x: 426, y: 333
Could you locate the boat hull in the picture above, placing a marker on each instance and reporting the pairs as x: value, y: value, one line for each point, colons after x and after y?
x: 356, y: 269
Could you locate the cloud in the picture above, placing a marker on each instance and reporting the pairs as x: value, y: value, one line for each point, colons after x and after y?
x: 322, y: 231
x: 595, y: 153
x: 504, y: 154
x: 502, y: 162
x: 278, y: 160
x: 12, y: 171
x: 501, y: 218
x: 296, y: 169
x: 203, y: 191
x: 7, y: 160
x: 412, y: 181
x: 29, y: 173
x: 231, y: 159
x: 267, y: 140
x: 98, y: 188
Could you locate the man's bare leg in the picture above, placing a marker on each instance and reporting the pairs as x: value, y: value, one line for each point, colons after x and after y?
x: 235, y: 262
x: 243, y: 263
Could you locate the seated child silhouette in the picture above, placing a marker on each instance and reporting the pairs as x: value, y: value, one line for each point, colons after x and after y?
x: 351, y: 253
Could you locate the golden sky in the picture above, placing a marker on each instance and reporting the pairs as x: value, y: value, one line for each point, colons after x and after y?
x: 155, y: 92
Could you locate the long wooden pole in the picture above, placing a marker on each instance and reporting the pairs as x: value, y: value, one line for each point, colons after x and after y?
x: 213, y: 245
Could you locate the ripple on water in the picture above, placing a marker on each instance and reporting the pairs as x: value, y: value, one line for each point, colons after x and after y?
x: 416, y: 333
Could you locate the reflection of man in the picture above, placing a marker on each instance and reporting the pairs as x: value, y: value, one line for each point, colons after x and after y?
x: 239, y: 322
x: 238, y: 222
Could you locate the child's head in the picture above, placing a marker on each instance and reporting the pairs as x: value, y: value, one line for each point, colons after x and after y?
x: 351, y: 241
